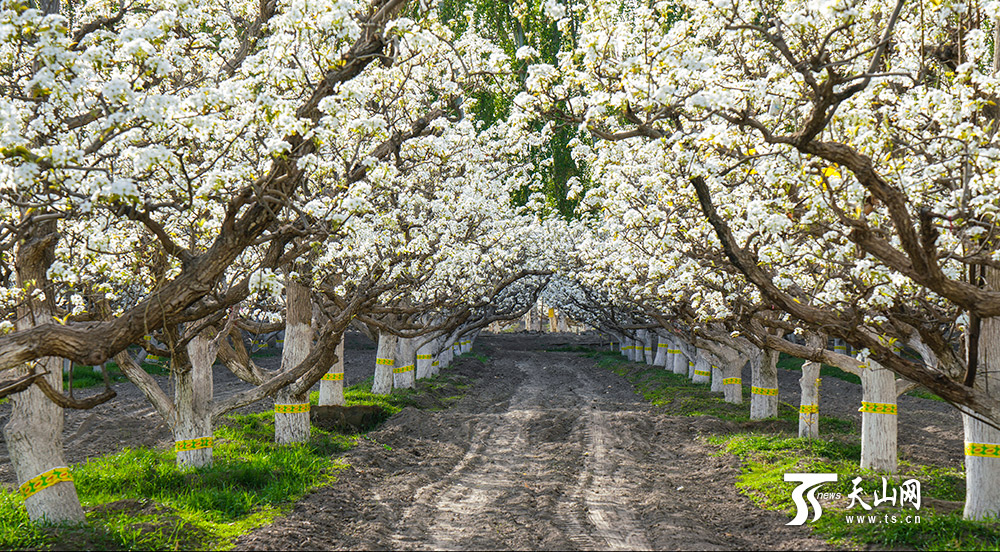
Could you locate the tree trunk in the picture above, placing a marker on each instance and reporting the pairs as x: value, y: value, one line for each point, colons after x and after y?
x: 404, y: 371
x: 331, y: 387
x: 764, y: 385
x: 649, y: 346
x: 732, y: 382
x: 717, y: 385
x: 662, y: 348
x: 702, y: 369
x: 679, y: 364
x: 385, y: 360
x: 291, y: 409
x: 425, y: 359
x: 193, y: 405
x: 878, y: 418
x: 982, y: 442
x: 809, y: 401
x: 34, y: 432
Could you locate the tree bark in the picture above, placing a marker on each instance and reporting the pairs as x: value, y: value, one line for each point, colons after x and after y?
x: 702, y: 369
x: 34, y: 432
x: 331, y: 387
x: 764, y: 385
x: 291, y: 408
x: 193, y: 404
x: 385, y: 360
x: 404, y: 371
x: 679, y: 364
x: 425, y: 359
x: 878, y: 418
x: 982, y: 442
x: 662, y: 348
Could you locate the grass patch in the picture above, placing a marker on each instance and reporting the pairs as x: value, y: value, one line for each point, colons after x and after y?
x: 678, y: 395
x: 788, y: 362
x: 924, y: 394
x: 138, y: 499
x: 766, y: 458
x: 87, y: 376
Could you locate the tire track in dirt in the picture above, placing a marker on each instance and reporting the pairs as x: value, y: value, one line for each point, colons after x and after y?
x: 447, y: 513
x: 545, y: 451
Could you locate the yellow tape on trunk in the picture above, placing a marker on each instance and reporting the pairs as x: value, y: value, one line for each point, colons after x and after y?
x: 809, y: 409
x: 385, y: 361
x: 403, y: 369
x: 987, y: 450
x: 330, y: 376
x: 702, y: 373
x: 732, y: 381
x: 45, y: 480
x: 291, y: 408
x: 767, y: 391
x: 193, y: 444
x: 877, y: 408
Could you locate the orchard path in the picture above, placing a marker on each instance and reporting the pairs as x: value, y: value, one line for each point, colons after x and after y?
x: 546, y: 451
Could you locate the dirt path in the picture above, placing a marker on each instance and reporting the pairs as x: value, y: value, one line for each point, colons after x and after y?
x: 545, y: 452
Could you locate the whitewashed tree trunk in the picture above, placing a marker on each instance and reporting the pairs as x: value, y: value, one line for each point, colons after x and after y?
x: 404, y: 371
x: 679, y: 364
x: 717, y: 376
x: 425, y: 359
x: 627, y: 348
x: 385, y: 359
x: 878, y: 418
x: 649, y: 346
x: 982, y: 442
x: 193, y: 390
x: 34, y: 443
x: 764, y: 385
x: 662, y: 348
x: 809, y: 385
x: 702, y: 369
x: 561, y: 324
x: 331, y: 387
x: 34, y: 432
x: 732, y: 381
x: 291, y: 410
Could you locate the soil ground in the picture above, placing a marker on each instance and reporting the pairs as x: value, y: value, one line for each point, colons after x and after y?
x: 545, y: 451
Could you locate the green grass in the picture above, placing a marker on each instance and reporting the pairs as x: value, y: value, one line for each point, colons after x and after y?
x: 138, y: 499
x: 86, y: 376
x: 678, y: 395
x: 924, y: 394
x: 766, y: 458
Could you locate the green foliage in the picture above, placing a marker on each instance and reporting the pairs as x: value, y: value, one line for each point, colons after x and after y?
x: 511, y: 25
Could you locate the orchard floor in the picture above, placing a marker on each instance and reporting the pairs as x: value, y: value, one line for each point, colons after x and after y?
x: 546, y: 451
